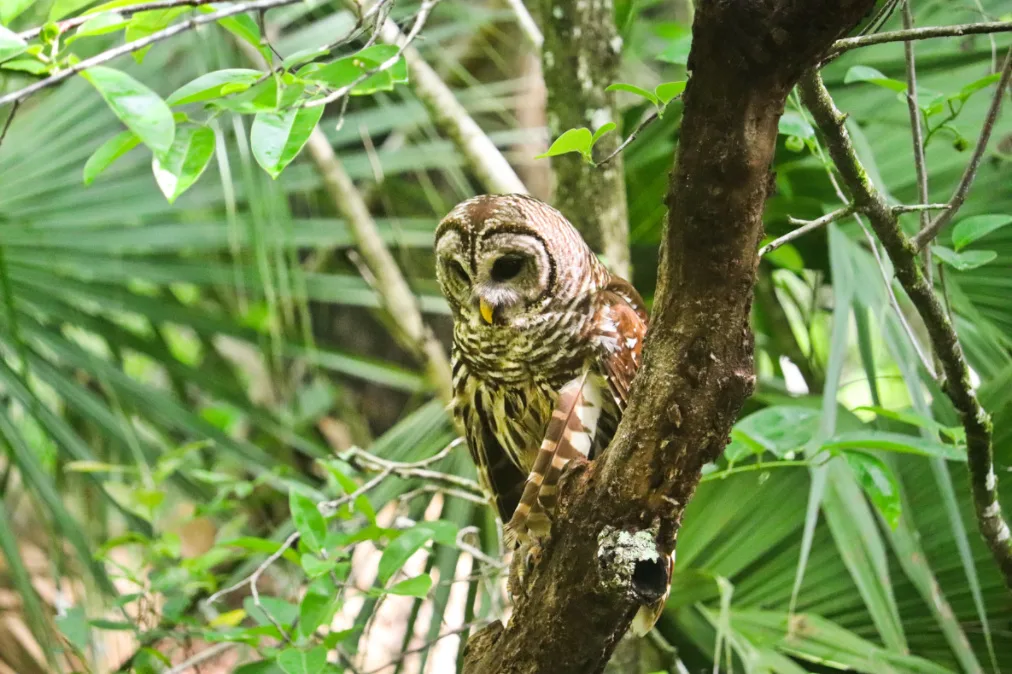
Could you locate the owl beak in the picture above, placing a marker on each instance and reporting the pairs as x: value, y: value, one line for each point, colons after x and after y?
x: 486, y: 310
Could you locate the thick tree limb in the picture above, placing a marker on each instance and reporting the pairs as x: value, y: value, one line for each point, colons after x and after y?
x: 618, y: 515
x: 579, y: 59
x: 944, y: 340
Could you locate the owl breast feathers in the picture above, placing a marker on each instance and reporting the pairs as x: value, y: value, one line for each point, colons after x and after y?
x: 546, y: 342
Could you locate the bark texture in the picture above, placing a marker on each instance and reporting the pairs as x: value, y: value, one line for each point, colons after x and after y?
x: 616, y: 515
x: 580, y: 58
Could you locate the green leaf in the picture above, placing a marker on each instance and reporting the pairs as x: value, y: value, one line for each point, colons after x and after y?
x: 259, y: 667
x: 297, y: 661
x: 668, y: 91
x: 975, y: 86
x: 138, y: 107
x: 894, y: 442
x: 26, y: 66
x: 241, y: 25
x: 62, y: 8
x: 380, y: 54
x: 100, y: 24
x: 975, y: 227
x: 785, y: 257
x: 314, y: 566
x: 308, y: 520
x: 285, y: 613
x: 868, y: 74
x: 210, y: 85
x: 10, y: 9
x: 636, y: 91
x: 400, y: 550
x: 184, y: 162
x: 965, y: 261
x: 342, y: 72
x: 778, y: 429
x: 277, y: 137
x: 574, y: 140
x: 74, y: 625
x: 315, y: 610
x: 10, y: 44
x: 148, y: 23
x: 879, y: 483
x: 603, y: 129
x: 678, y: 51
x: 263, y: 545
x: 413, y: 587
x: 107, y: 153
x: 793, y: 123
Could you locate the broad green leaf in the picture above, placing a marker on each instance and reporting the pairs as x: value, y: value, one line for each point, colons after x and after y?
x: 603, y: 129
x: 342, y: 72
x: 778, y: 429
x: 975, y: 227
x: 107, y: 153
x: 298, y: 661
x: 210, y: 85
x: 303, y: 56
x: 975, y: 86
x: 74, y: 625
x: 380, y: 54
x: 413, y: 587
x: 62, y: 8
x: 264, y: 97
x: 138, y: 107
x: 282, y: 611
x: 678, y: 51
x: 868, y: 74
x: 785, y: 257
x: 308, y: 520
x: 879, y: 483
x: 263, y: 545
x: 314, y: 610
x: 400, y: 550
x: 241, y: 25
x: 100, y: 24
x: 955, y: 433
x: 259, y: 667
x: 349, y: 486
x: 636, y: 91
x: 965, y: 261
x: 11, y: 9
x: 184, y: 162
x: 315, y: 566
x: 574, y: 140
x: 668, y: 91
x: 143, y: 24
x: 277, y: 137
x: 792, y: 123
x: 228, y: 618
x: 26, y: 66
x: 894, y: 442
x: 10, y: 44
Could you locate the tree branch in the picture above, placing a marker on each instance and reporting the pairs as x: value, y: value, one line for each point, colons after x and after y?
x: 393, y: 288
x: 925, y: 236
x: 141, y: 43
x: 618, y: 516
x: 579, y: 60
x: 848, y: 43
x: 917, y: 133
x: 805, y: 228
x: 479, y: 152
x: 128, y: 10
x: 941, y: 333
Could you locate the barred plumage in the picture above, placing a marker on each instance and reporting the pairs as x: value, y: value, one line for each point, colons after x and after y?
x: 541, y: 328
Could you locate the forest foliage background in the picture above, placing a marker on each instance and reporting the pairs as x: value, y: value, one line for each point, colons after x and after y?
x: 185, y: 378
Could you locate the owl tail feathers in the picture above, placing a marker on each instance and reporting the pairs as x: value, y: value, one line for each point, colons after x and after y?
x: 648, y: 614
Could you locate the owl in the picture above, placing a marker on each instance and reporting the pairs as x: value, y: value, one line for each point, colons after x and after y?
x: 546, y: 342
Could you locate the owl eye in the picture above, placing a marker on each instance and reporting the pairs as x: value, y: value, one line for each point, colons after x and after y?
x: 507, y: 267
x: 458, y: 270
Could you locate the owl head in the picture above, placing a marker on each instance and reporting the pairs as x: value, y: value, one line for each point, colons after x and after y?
x: 504, y: 260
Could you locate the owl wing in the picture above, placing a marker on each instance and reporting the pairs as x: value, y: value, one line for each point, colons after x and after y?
x: 620, y: 324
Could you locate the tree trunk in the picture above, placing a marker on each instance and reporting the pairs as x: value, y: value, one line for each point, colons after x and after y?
x: 618, y: 515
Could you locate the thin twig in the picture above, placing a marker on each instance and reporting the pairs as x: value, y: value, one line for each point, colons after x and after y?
x: 916, y: 208
x: 129, y: 10
x: 528, y: 26
x: 445, y: 491
x: 474, y: 551
x: 916, y: 131
x: 199, y: 658
x: 941, y: 332
x: 426, y: 646
x: 8, y: 121
x: 478, y: 151
x: 806, y: 227
x: 416, y: 28
x: 848, y: 43
x: 959, y: 196
x: 141, y: 43
x: 644, y: 123
x: 255, y: 576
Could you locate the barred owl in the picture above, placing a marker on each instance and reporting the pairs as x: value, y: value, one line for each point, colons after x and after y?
x: 546, y: 343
